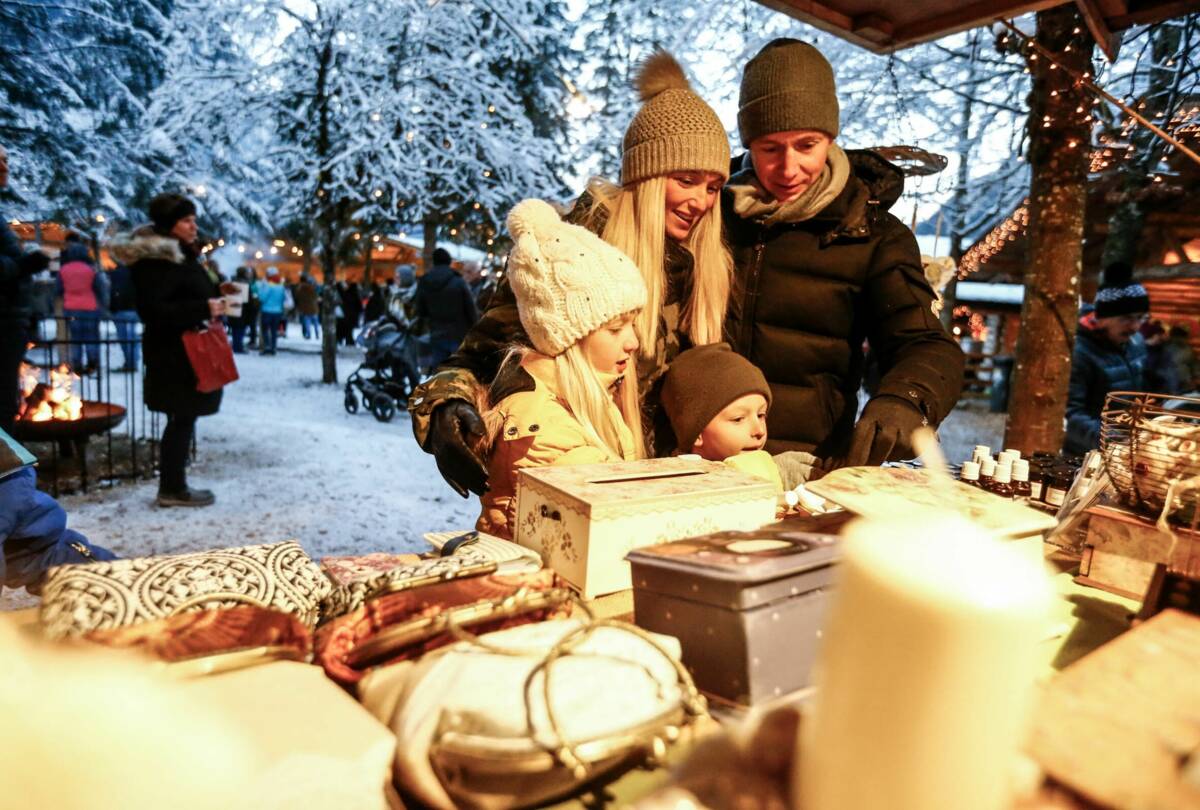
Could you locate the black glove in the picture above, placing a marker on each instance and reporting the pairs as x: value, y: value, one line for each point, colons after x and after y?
x: 453, y: 428
x: 884, y: 432
x: 34, y: 262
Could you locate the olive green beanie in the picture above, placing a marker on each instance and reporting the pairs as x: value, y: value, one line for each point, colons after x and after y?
x: 674, y: 130
x: 788, y: 85
x: 701, y: 382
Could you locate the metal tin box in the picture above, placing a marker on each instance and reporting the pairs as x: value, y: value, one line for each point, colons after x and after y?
x: 583, y: 519
x: 747, y: 607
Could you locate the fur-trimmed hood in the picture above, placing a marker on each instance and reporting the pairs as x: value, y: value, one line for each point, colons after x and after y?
x: 143, y: 243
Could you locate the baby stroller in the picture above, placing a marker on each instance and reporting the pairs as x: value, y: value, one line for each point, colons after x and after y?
x: 392, y: 362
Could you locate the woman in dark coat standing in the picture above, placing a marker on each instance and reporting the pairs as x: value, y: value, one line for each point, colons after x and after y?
x: 174, y: 294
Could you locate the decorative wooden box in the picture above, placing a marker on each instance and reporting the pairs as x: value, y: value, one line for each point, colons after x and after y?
x: 747, y: 607
x: 584, y: 519
x: 1123, y: 548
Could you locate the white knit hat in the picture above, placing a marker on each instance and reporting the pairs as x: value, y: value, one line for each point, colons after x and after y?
x: 568, y: 282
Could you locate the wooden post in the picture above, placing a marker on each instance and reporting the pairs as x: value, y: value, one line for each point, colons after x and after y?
x: 1059, y: 140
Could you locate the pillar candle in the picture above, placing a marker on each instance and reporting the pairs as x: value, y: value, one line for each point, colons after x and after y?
x: 926, y: 672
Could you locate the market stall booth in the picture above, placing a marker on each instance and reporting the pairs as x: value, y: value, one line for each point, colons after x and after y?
x: 628, y: 645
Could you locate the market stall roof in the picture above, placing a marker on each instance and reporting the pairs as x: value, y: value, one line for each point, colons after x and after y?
x: 886, y: 27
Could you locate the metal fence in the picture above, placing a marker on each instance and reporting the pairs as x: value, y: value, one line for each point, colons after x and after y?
x: 114, y: 437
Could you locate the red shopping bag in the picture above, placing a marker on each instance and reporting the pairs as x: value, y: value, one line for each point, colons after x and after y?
x: 211, y: 358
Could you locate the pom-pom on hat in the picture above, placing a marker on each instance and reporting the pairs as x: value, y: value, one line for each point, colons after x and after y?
x: 674, y: 130
x: 701, y: 382
x: 1119, y: 294
x: 568, y: 282
x: 787, y: 86
x: 167, y: 209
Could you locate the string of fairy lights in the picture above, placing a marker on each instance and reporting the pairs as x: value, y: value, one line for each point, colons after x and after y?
x: 1111, y: 148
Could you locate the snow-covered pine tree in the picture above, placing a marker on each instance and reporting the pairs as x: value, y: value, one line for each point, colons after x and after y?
x: 337, y: 161
x: 202, y: 131
x: 73, y: 79
x: 463, y: 78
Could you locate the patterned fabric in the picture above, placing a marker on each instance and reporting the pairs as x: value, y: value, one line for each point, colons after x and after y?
x: 352, y: 595
x: 191, y: 635
x: 356, y: 568
x: 80, y: 598
x: 339, y: 638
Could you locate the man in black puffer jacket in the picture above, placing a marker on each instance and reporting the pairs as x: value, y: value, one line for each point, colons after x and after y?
x: 445, y: 300
x: 16, y: 307
x: 820, y: 266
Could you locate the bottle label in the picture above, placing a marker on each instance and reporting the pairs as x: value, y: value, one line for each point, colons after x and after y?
x: 1055, y: 496
x: 1035, y: 490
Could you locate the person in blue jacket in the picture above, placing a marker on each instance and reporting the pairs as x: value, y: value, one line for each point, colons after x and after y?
x: 33, y: 528
x: 1109, y: 355
x: 271, y: 296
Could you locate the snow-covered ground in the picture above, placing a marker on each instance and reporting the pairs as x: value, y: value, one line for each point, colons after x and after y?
x: 286, y: 461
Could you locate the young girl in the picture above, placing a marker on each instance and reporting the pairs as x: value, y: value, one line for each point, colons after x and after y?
x: 578, y: 299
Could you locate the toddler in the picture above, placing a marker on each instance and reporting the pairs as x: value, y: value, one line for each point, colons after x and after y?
x: 717, y: 402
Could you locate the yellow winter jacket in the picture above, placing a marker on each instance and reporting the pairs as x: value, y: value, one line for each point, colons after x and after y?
x: 538, y: 429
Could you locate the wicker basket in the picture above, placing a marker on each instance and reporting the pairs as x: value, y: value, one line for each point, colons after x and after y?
x: 1148, y: 442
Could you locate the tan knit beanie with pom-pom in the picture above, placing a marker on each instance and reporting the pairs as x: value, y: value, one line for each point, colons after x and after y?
x: 568, y: 282
x: 674, y: 130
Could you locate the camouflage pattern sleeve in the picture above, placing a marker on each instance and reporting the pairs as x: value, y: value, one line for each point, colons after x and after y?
x: 448, y: 384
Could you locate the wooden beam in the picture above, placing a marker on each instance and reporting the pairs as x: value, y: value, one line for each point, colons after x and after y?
x: 875, y: 27
x: 969, y: 15
x: 1152, y: 12
x: 821, y: 16
x: 1093, y: 15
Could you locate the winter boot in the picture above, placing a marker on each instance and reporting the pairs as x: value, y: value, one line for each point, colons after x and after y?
x: 188, y: 497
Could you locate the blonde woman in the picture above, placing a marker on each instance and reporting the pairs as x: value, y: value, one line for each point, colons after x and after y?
x: 578, y: 299
x: 665, y: 216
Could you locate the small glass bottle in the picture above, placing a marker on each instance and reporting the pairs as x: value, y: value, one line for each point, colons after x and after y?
x: 970, y: 473
x: 1020, y: 479
x: 1002, y: 482
x: 1037, y: 480
x: 1057, y: 484
x: 987, y: 468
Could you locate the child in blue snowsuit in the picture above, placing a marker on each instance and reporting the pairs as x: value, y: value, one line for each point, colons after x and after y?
x: 33, y: 532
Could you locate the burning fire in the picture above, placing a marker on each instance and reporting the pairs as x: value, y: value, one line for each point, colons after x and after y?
x: 41, y: 402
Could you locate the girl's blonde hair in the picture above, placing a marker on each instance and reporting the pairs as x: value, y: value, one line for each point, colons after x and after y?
x: 591, y: 403
x: 586, y: 397
x: 637, y: 225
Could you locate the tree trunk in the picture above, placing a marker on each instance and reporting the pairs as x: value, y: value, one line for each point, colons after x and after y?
x: 961, y: 188
x: 429, y: 230
x: 369, y: 267
x: 328, y: 220
x: 1058, y: 155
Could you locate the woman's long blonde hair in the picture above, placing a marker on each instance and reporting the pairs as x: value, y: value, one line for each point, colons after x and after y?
x: 637, y: 226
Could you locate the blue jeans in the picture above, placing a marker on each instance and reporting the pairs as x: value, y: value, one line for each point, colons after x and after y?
x: 239, y: 335
x: 126, y: 322
x: 270, y: 330
x: 312, y: 322
x: 83, y: 330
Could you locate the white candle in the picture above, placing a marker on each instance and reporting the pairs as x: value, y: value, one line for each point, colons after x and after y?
x: 926, y: 672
